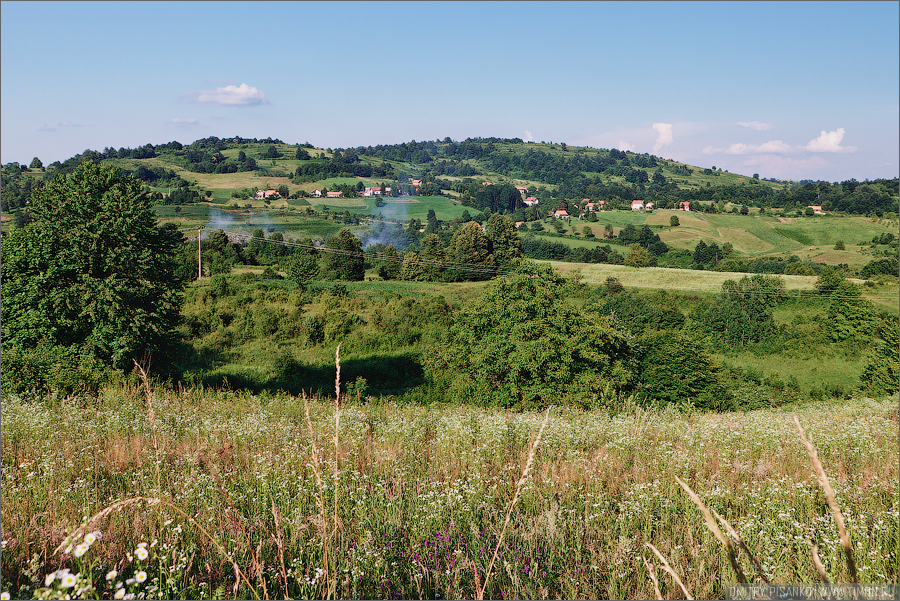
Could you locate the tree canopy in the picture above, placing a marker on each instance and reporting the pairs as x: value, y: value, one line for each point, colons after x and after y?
x: 523, y: 345
x: 93, y: 270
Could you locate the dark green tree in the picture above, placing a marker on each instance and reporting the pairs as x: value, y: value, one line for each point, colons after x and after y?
x: 523, y: 345
x: 469, y: 250
x: 303, y: 268
x: 35, y: 163
x: 673, y: 221
x: 93, y: 270
x: 504, y: 239
x: 677, y: 367
x: 344, y: 260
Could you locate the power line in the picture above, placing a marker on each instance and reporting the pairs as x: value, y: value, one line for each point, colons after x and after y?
x: 481, y: 269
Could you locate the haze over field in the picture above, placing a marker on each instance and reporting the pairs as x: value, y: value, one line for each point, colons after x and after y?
x: 786, y: 90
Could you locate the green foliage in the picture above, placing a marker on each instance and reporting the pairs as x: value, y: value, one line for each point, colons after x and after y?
x: 303, y: 268
x: 829, y: 280
x: 92, y: 271
x: 345, y: 261
x: 743, y: 313
x: 839, y: 245
x: 850, y: 317
x: 47, y: 368
x: 470, y: 247
x: 636, y: 256
x: 673, y: 221
x: 523, y: 345
x: 677, y: 367
x: 880, y: 375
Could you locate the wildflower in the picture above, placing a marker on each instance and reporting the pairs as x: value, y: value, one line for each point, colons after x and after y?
x: 81, y: 549
x: 68, y: 581
x: 4, y: 596
x: 49, y: 579
x: 141, y: 553
x: 141, y: 545
x: 91, y: 537
x: 112, y: 574
x: 140, y: 576
x: 119, y: 594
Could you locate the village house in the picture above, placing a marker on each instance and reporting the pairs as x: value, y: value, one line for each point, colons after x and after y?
x: 531, y: 201
x: 522, y: 190
x: 561, y: 213
x: 317, y: 193
x: 817, y: 210
x: 685, y: 206
x: 649, y: 206
x: 637, y: 205
x: 595, y: 206
x: 519, y: 224
x: 415, y: 182
x: 334, y: 194
x: 263, y: 194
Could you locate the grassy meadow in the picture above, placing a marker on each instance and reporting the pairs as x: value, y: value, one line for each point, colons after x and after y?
x: 239, y: 495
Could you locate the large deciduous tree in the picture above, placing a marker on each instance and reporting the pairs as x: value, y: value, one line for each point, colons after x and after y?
x: 345, y: 257
x: 93, y: 270
x: 523, y: 345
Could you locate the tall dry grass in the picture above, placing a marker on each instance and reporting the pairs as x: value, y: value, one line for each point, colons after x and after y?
x: 424, y: 493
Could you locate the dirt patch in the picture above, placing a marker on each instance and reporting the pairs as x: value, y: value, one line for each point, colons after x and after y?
x: 786, y: 219
x: 5, y: 218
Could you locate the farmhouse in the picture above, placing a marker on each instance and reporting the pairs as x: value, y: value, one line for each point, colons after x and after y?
x: 649, y: 206
x: 531, y: 201
x: 261, y: 194
x: 415, y: 182
x: 817, y: 210
x: 561, y: 213
x: 522, y: 190
x: 595, y: 206
x: 637, y: 205
x: 685, y: 206
x: 317, y: 193
x: 334, y: 194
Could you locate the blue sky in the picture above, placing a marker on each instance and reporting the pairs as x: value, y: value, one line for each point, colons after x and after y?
x: 789, y: 90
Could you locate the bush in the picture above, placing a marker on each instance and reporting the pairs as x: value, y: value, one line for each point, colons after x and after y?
x: 48, y: 368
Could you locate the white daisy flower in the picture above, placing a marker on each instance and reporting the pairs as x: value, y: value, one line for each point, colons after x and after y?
x: 68, y: 581
x: 119, y: 594
x: 140, y: 576
x: 141, y: 553
x: 49, y: 579
x: 4, y: 596
x: 81, y: 549
x: 111, y: 574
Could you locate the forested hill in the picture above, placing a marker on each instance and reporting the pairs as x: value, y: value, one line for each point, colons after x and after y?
x: 553, y: 173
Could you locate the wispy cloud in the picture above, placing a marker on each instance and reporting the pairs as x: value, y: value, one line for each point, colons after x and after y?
x: 770, y: 147
x: 826, y: 142
x: 830, y: 142
x: 178, y: 121
x: 623, y: 145
x: 665, y: 135
x: 61, y: 125
x: 242, y: 95
x: 757, y: 125
x: 528, y: 136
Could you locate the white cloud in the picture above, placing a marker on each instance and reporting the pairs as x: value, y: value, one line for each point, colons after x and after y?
x: 830, y: 142
x: 242, y: 95
x: 178, y: 121
x: 528, y: 136
x: 757, y: 125
x: 665, y: 136
x: 770, y: 147
x: 625, y: 145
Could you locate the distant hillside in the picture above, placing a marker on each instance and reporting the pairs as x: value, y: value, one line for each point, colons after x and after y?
x: 220, y: 169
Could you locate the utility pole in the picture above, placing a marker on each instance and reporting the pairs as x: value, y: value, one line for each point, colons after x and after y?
x: 199, y: 256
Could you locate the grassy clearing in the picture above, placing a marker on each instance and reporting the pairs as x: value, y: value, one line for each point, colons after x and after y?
x: 668, y: 279
x: 411, y: 500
